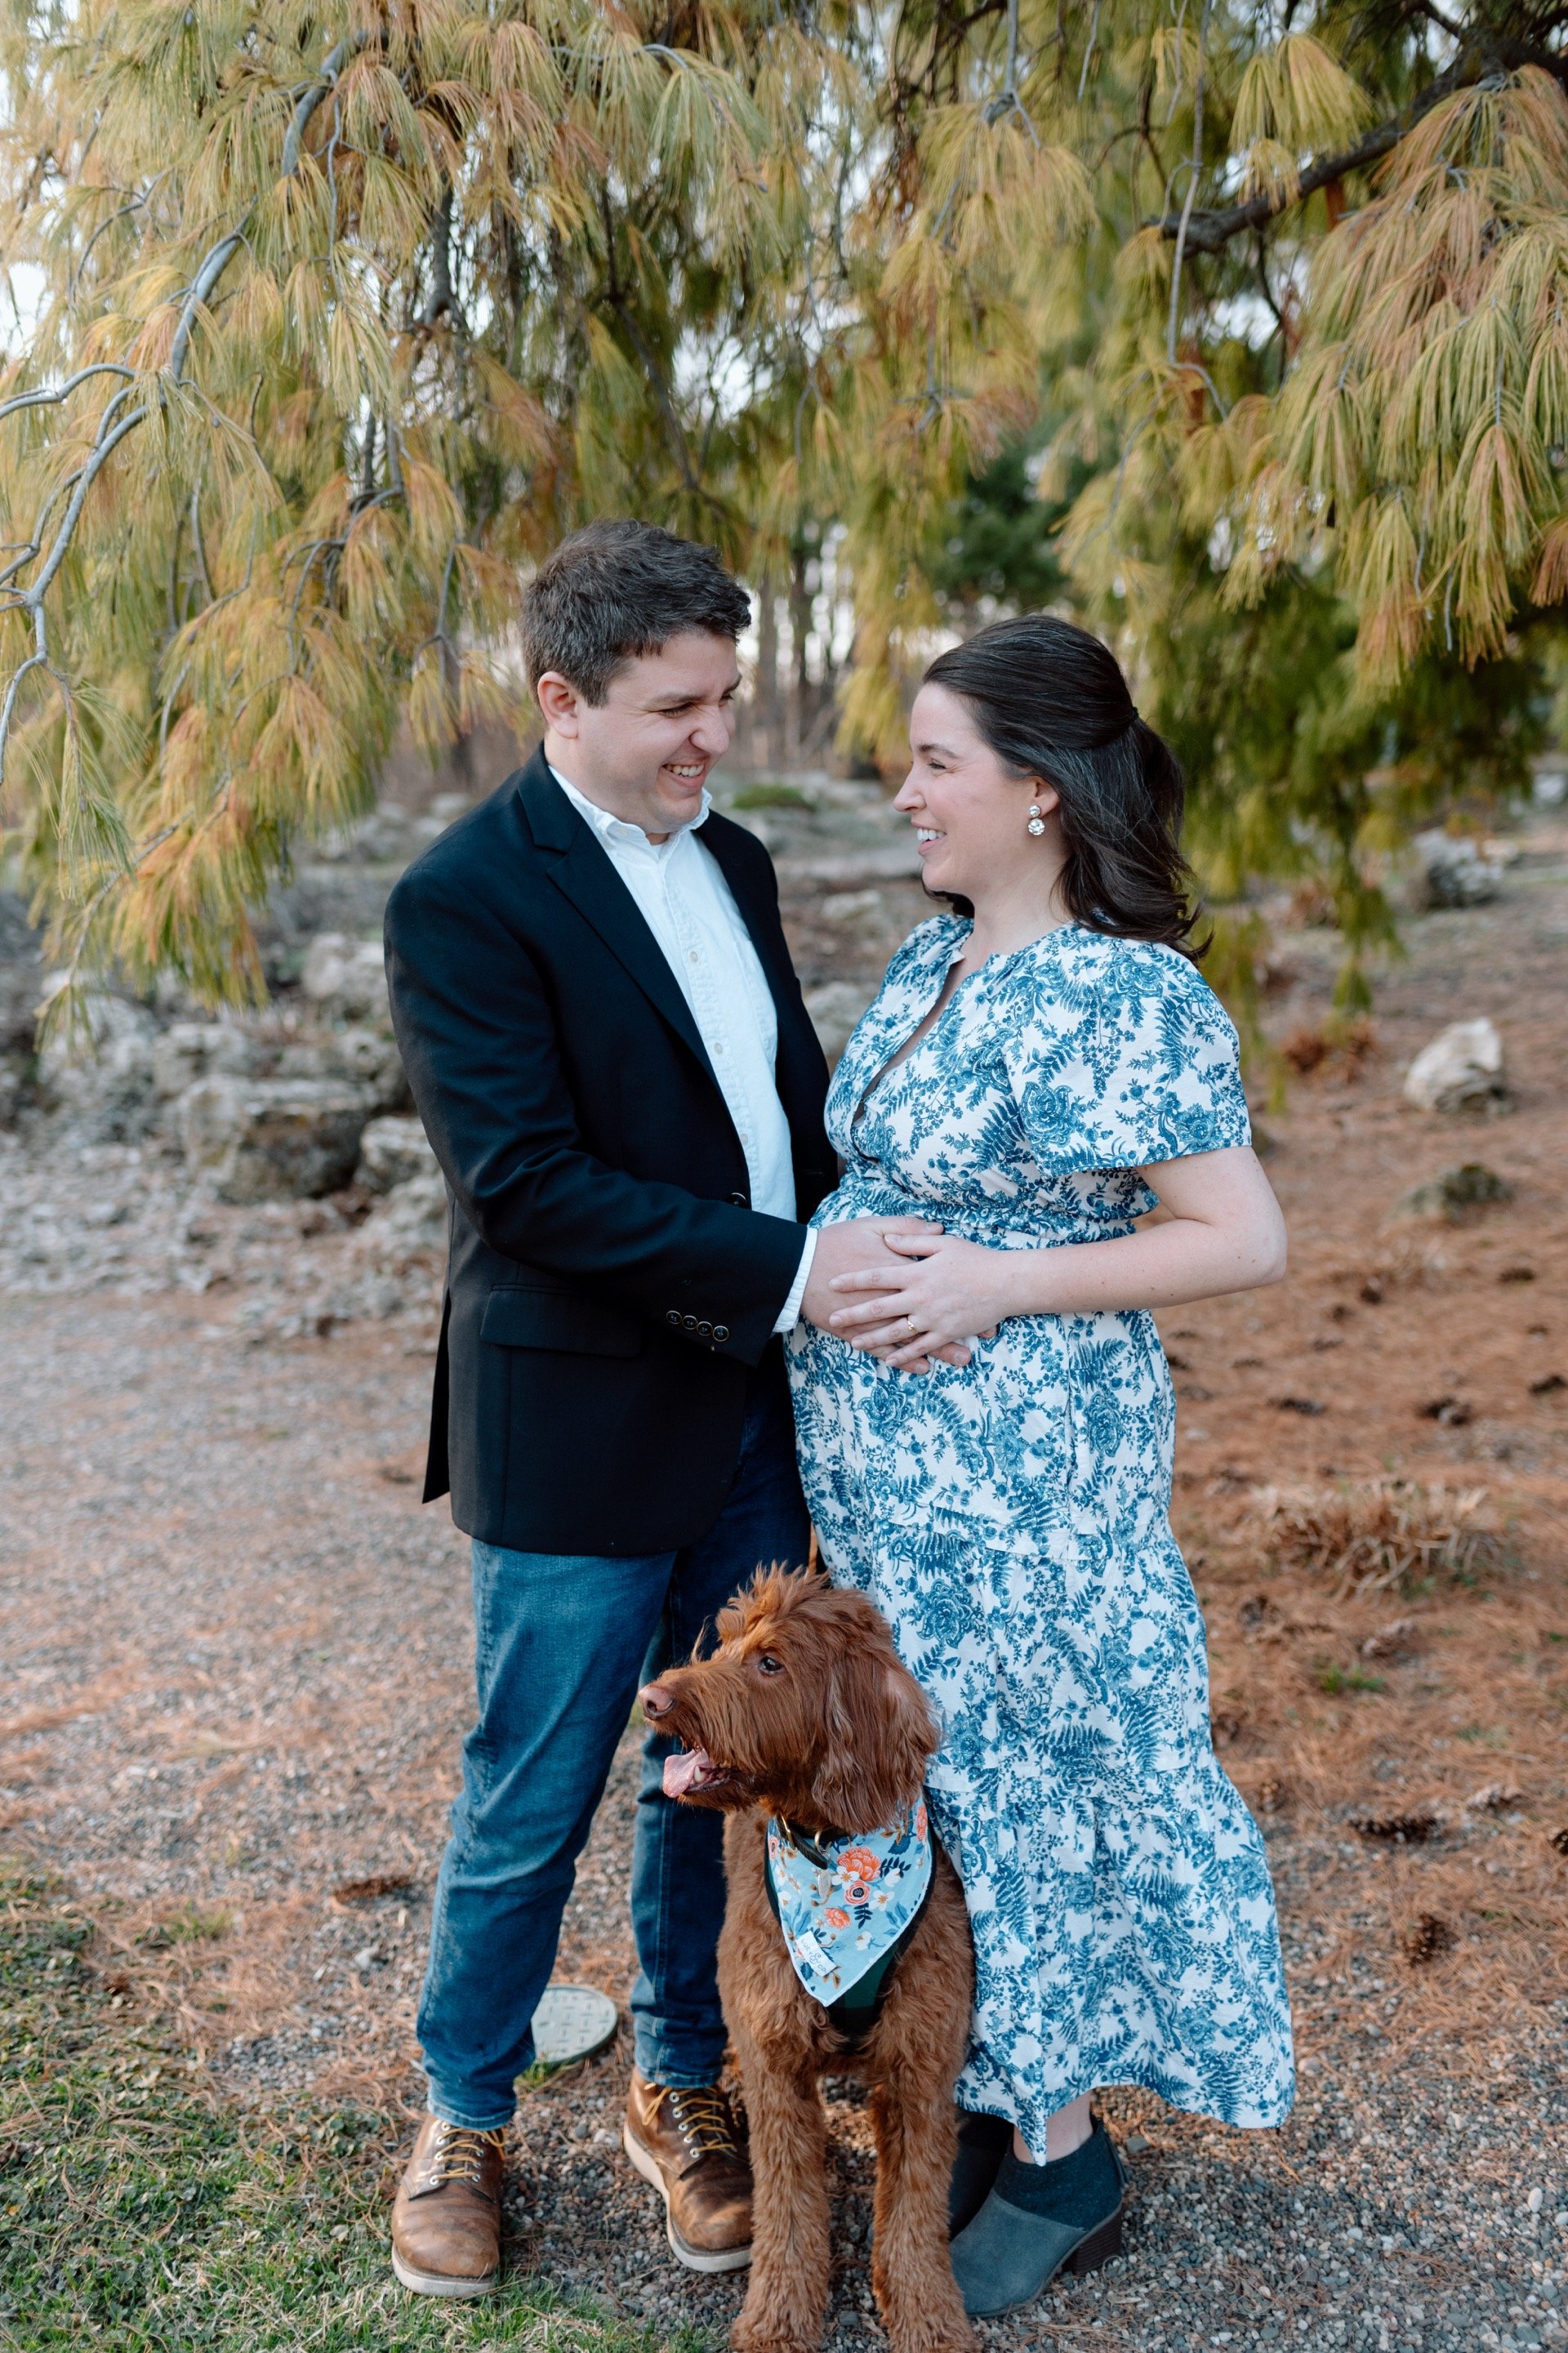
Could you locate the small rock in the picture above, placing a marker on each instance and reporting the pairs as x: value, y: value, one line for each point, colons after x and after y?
x: 100, y: 1076
x: 369, y: 1058
x: 391, y: 1152
x: 1453, y: 871
x: 1460, y: 1070
x: 1389, y: 1641
x: 273, y: 1139
x: 1454, y: 1413
x: 1135, y: 2144
x: 1494, y: 1796
x: 191, y: 1050
x: 346, y: 978
x: 410, y: 1224
x: 1453, y: 1191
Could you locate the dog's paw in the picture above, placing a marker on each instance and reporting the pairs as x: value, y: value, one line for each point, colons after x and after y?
x: 929, y: 2332
x: 939, y: 2337
x: 773, y: 2333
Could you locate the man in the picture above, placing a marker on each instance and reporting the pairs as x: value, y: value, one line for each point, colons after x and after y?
x: 609, y: 1051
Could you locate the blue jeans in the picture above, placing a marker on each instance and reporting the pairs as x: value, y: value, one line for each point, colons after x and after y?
x: 563, y: 1643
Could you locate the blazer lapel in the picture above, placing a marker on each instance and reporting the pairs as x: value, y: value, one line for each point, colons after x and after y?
x: 579, y: 867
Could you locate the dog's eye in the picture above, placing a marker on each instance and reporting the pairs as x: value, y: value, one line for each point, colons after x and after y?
x: 768, y: 1665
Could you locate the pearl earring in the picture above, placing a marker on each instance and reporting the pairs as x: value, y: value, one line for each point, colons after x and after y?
x: 1036, y: 822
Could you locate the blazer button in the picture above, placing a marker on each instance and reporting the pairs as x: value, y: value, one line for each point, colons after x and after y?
x: 739, y: 1201
x: 672, y: 1315
x: 705, y: 1330
x: 720, y: 1333
x: 689, y: 1322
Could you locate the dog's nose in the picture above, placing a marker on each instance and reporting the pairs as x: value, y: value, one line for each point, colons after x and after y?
x: 656, y: 1702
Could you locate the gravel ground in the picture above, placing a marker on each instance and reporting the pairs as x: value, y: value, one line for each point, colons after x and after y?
x: 235, y: 1667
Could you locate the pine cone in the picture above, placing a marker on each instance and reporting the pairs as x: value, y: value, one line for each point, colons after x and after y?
x: 1398, y: 1830
x: 1428, y: 1935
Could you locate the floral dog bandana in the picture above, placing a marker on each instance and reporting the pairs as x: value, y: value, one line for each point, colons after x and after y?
x: 843, y: 1904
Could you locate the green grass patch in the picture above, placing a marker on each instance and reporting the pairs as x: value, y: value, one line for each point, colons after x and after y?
x: 138, y: 2214
x: 190, y: 1927
x: 1335, y: 1680
x: 763, y: 794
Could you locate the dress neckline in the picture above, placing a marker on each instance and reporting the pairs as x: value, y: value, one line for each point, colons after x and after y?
x: 909, y: 1044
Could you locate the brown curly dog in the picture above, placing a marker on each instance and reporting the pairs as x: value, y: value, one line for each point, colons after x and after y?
x: 805, y: 1711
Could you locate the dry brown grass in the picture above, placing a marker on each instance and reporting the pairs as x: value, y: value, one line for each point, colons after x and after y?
x: 1372, y: 1534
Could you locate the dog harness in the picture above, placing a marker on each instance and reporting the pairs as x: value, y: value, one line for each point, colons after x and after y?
x: 848, y: 1908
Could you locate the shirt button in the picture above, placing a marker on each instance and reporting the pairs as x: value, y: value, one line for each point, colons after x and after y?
x: 720, y: 1333
x: 739, y: 1201
x: 717, y: 1045
x: 692, y: 957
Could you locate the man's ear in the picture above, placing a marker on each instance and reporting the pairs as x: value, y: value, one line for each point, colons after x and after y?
x: 561, y: 703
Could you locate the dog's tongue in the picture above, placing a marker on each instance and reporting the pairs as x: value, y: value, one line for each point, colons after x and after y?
x: 680, y: 1772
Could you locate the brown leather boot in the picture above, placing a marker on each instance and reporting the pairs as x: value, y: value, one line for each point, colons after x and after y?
x: 445, y: 2220
x: 686, y: 2143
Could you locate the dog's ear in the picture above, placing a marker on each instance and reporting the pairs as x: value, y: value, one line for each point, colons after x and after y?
x: 880, y: 1731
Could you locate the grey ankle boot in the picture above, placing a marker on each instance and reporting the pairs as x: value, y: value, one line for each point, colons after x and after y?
x: 1017, y: 2245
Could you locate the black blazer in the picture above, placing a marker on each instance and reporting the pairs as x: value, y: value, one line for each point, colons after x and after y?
x: 608, y: 1288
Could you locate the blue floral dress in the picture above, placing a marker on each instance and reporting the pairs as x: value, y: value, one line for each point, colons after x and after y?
x: 1011, y: 1521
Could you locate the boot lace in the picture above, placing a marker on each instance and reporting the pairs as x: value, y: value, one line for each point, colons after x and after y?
x: 701, y: 2116
x: 457, y: 2153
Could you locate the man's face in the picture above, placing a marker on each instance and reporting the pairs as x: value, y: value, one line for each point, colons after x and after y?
x: 645, y: 753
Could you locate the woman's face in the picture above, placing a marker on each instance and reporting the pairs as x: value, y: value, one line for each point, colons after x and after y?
x: 970, y: 818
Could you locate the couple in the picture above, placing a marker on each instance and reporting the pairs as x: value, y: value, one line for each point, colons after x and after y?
x: 652, y: 1248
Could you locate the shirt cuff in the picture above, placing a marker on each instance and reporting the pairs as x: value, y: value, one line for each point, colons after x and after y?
x: 789, y: 1313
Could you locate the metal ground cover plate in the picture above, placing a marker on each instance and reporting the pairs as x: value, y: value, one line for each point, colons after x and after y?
x: 572, y: 2022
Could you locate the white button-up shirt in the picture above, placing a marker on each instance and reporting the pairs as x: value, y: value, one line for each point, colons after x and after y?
x: 682, y: 896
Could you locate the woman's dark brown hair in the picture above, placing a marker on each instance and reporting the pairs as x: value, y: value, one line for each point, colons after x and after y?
x: 1051, y: 701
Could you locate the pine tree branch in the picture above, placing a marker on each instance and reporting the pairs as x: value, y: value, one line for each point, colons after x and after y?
x: 1211, y: 231
x: 112, y: 429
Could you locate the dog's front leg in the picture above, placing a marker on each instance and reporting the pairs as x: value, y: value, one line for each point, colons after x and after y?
x: 788, y: 2294
x: 911, y: 2271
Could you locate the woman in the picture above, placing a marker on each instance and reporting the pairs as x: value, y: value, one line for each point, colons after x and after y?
x: 1041, y: 1069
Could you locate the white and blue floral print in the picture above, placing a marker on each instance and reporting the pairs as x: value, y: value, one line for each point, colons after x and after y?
x: 1011, y: 1521
x: 840, y: 1913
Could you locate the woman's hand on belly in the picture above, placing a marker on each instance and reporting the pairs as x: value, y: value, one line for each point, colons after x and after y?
x: 930, y: 1305
x: 1224, y: 1233
x: 842, y: 1255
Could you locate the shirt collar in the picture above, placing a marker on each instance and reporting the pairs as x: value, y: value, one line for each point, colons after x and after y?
x: 610, y: 828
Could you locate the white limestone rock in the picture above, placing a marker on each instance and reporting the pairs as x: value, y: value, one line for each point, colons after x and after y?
x: 191, y: 1050
x: 272, y: 1140
x: 409, y: 1228
x: 1461, y: 1070
x: 392, y: 1152
x: 346, y: 978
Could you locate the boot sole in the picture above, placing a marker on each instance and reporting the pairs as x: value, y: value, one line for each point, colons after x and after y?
x: 442, y: 2282
x: 696, y: 2259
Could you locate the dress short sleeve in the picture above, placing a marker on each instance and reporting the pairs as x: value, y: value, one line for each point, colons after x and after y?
x: 1123, y: 1057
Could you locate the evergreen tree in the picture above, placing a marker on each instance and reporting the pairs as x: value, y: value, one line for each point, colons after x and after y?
x: 336, y: 320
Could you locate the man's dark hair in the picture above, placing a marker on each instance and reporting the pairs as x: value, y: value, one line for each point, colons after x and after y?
x: 617, y: 590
